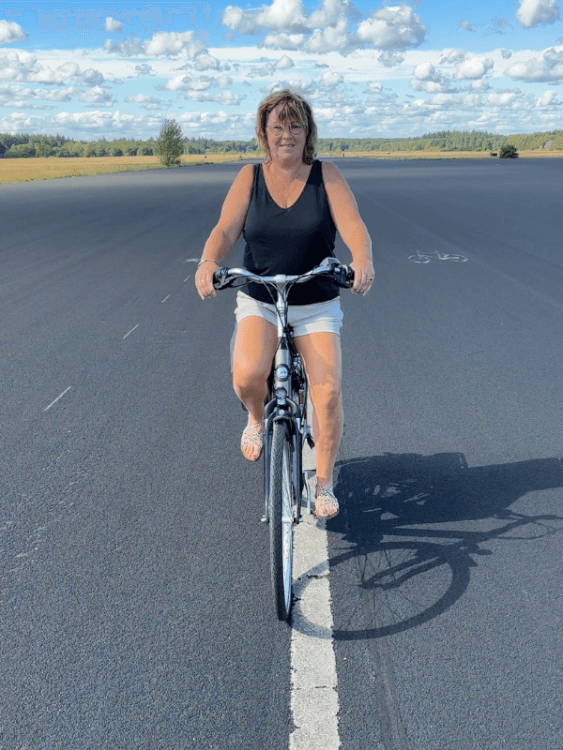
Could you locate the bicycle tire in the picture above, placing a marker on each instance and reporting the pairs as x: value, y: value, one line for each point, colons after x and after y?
x: 281, y: 518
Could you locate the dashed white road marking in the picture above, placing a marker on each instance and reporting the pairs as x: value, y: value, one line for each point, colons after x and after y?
x: 164, y: 300
x: 314, y: 695
x: 187, y: 277
x: 131, y: 331
x: 58, y: 398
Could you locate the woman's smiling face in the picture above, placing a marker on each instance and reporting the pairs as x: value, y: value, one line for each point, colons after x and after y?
x: 286, y: 145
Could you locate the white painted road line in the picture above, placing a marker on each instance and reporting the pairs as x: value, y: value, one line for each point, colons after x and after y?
x: 187, y: 277
x: 164, y: 300
x: 131, y: 331
x: 314, y: 695
x: 58, y: 398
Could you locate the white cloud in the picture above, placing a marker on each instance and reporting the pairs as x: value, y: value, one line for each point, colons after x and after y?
x: 112, y: 25
x: 548, y: 99
x: 329, y: 39
x: 283, y: 41
x: 20, y: 97
x: 427, y: 78
x: 547, y: 68
x: 474, y: 67
x: 444, y: 100
x: 464, y: 23
x: 329, y: 14
x: 185, y: 83
x: 173, y: 43
x: 330, y: 79
x: 127, y: 48
x: 10, y: 31
x: 506, y: 54
x: 96, y: 120
x: 224, y: 81
x: 481, y: 84
x: 392, y: 27
x: 533, y: 13
x: 16, y: 65
x: 146, y: 102
x: 453, y: 56
x: 161, y: 44
x: 144, y: 70
x: 62, y: 74
x: 284, y: 63
x: 471, y: 100
x: 374, y: 87
x: 281, y: 15
x: 139, y: 98
x: 504, y: 98
x: 390, y: 58
x: 205, y: 61
x: 225, y: 97
x: 97, y: 96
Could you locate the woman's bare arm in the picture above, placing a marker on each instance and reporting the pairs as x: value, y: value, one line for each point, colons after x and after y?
x: 350, y: 226
x: 233, y: 214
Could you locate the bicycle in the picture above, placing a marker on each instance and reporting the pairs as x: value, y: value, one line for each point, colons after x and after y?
x: 285, y: 423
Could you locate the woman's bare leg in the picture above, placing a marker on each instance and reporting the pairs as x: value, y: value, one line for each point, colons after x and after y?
x: 322, y: 358
x: 255, y: 344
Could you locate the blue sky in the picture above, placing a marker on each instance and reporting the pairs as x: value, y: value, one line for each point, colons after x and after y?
x: 395, y: 69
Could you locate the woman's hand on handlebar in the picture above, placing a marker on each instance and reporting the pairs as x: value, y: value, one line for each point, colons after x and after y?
x: 363, y: 276
x: 204, y: 279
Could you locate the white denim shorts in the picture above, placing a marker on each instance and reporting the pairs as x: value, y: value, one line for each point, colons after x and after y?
x: 304, y: 319
x: 319, y: 317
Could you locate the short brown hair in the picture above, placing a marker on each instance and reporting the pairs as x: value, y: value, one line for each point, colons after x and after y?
x: 294, y: 108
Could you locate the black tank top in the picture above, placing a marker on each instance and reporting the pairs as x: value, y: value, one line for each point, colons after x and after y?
x: 289, y: 240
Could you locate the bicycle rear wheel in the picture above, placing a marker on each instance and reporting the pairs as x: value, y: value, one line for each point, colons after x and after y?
x: 281, y: 517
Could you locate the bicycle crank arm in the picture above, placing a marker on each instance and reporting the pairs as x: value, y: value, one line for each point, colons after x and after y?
x: 309, y: 474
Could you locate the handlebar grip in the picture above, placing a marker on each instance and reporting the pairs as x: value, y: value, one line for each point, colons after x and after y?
x: 344, y: 277
x: 220, y: 278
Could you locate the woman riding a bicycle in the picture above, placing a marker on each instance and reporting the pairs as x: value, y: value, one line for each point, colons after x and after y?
x: 289, y: 209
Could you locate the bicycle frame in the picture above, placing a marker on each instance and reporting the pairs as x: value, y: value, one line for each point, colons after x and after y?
x: 285, y: 402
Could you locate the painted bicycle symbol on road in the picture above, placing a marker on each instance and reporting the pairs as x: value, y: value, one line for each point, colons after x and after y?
x: 426, y: 257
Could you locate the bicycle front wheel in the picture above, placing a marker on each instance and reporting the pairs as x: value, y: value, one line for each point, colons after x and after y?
x: 281, y: 517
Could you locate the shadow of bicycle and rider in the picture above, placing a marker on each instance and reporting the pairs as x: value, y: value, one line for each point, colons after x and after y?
x: 412, y: 527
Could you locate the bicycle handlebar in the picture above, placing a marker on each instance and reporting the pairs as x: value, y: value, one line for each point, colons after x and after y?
x: 340, y: 274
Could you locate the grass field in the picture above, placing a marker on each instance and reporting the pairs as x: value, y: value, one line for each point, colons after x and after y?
x: 25, y: 170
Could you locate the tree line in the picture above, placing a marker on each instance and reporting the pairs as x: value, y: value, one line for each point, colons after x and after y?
x: 26, y: 145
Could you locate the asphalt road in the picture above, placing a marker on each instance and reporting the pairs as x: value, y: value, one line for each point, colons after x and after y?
x: 135, y: 607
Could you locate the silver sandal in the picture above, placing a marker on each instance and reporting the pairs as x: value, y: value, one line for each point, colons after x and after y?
x: 326, y: 500
x: 253, y: 436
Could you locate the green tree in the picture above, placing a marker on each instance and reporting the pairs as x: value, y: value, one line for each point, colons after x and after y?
x: 508, y: 151
x: 170, y: 144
